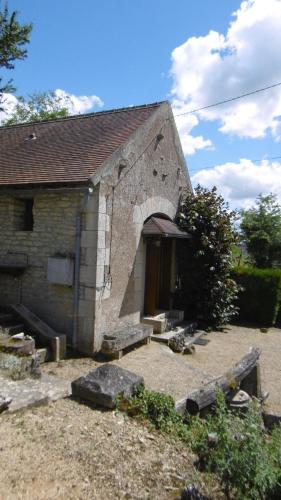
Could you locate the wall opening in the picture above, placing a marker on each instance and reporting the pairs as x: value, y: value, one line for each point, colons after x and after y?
x: 23, y: 214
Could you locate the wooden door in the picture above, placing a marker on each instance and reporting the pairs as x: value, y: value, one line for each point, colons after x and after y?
x: 152, y: 274
x: 165, y: 274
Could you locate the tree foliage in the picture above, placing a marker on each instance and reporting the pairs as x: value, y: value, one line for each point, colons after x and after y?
x: 13, y: 38
x: 261, y: 230
x: 39, y: 106
x: 207, y: 292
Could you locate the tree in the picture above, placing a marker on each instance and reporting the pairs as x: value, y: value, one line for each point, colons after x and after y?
x: 13, y: 38
x: 207, y: 292
x: 261, y: 231
x: 40, y: 106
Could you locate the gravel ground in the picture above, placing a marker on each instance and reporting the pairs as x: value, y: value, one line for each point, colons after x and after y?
x: 227, y: 347
x: 67, y: 450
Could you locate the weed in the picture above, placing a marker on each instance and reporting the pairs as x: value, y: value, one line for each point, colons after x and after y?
x: 245, y: 458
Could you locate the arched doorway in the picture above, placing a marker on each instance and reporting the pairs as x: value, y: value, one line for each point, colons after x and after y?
x: 160, y: 235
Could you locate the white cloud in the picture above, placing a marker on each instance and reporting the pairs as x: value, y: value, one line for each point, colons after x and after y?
x: 185, y: 124
x: 74, y: 104
x: 217, y: 66
x: 79, y: 104
x: 8, y: 102
x: 241, y: 183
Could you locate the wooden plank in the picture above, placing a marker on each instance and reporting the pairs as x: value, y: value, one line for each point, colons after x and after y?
x: 56, y: 341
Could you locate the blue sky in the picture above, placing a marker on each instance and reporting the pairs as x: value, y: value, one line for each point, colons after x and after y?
x: 133, y: 52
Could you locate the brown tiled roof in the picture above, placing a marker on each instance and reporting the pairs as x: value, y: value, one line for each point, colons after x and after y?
x: 66, y: 150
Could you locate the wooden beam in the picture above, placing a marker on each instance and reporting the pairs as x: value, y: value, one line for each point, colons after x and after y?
x: 205, y: 396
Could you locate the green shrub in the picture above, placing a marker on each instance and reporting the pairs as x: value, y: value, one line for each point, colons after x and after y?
x: 260, y: 298
x: 206, y: 291
x: 246, y: 465
x: 246, y: 459
x: 159, y: 409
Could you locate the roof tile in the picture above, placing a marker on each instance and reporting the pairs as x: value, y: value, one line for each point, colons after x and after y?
x: 66, y: 150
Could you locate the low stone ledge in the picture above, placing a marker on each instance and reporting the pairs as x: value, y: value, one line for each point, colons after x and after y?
x: 114, y: 343
x: 106, y: 384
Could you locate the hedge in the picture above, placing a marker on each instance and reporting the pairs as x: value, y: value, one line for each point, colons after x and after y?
x: 260, y: 299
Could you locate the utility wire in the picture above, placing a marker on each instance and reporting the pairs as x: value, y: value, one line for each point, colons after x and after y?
x: 229, y: 100
x: 233, y: 161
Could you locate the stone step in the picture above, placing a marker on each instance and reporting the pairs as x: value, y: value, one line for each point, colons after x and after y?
x: 164, y: 320
x: 186, y: 328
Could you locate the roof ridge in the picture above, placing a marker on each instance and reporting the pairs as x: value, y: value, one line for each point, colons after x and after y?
x: 86, y: 115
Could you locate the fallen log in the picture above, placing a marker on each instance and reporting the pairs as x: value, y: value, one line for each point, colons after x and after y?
x: 200, y: 398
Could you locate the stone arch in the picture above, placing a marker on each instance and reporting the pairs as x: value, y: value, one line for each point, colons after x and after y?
x: 152, y: 206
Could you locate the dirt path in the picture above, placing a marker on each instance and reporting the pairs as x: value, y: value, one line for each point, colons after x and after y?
x: 69, y: 451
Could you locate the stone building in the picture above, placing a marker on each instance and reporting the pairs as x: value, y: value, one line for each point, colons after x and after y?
x: 79, y: 245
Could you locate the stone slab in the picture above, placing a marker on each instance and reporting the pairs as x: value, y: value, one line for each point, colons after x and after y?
x: 104, y: 385
x: 125, y: 337
x: 33, y: 392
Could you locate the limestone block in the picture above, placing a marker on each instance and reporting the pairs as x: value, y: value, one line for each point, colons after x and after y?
x: 88, y: 275
x: 120, y: 339
x: 91, y: 221
x: 99, y: 275
x: 102, y: 204
x: 101, y: 253
x: 101, y: 239
x: 104, y: 385
x: 89, y: 239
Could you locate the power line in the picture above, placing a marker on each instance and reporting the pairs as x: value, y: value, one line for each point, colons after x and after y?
x: 229, y: 100
x: 234, y: 161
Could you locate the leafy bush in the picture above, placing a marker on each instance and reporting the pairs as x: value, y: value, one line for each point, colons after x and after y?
x: 207, y: 292
x: 159, y: 409
x: 246, y: 464
x: 245, y: 458
x: 260, y: 296
x: 261, y: 231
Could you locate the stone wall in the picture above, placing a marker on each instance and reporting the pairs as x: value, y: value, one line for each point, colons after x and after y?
x: 53, y: 233
x: 145, y: 177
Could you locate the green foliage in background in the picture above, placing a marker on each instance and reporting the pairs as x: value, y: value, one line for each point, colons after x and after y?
x: 260, y: 294
x: 261, y: 231
x: 207, y: 292
x: 40, y: 106
x: 13, y: 39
